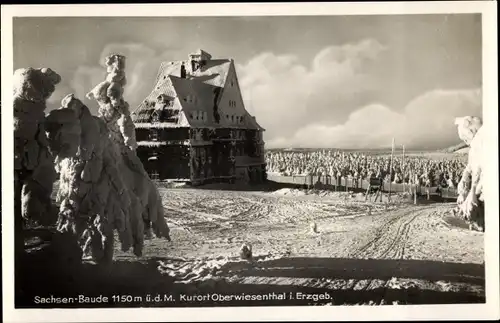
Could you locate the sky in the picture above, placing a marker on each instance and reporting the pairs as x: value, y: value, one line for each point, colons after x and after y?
x: 311, y: 81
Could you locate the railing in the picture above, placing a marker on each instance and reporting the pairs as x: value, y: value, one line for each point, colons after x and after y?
x: 330, y: 182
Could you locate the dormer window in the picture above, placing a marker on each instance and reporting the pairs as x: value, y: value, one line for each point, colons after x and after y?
x: 155, y: 116
x: 164, y: 100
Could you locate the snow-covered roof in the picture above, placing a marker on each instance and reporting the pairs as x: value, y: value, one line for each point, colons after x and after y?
x: 214, y: 72
x: 194, y: 95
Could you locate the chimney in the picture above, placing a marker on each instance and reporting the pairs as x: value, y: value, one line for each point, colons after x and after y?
x: 194, y: 65
x: 183, y: 71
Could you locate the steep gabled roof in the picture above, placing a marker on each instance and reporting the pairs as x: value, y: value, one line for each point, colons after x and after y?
x: 148, y: 105
x: 196, y: 98
x: 195, y: 95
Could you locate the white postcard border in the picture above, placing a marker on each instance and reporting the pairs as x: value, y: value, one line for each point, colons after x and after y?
x: 490, y: 310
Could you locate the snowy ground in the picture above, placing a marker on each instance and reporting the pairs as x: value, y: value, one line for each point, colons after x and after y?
x: 358, y: 245
x: 361, y: 253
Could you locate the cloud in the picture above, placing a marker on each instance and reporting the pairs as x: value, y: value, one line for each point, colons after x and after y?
x: 54, y: 101
x: 334, y: 100
x: 85, y: 78
x: 141, y: 66
x: 425, y: 122
x: 344, y: 98
x: 281, y: 91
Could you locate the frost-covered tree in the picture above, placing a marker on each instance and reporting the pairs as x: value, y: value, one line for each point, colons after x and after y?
x: 470, y: 189
x: 103, y: 184
x: 33, y: 163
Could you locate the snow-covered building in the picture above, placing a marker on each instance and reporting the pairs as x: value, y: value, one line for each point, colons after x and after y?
x: 194, y: 127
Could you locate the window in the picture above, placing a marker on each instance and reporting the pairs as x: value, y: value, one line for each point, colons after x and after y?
x: 155, y: 117
x: 153, y: 134
x: 154, y: 175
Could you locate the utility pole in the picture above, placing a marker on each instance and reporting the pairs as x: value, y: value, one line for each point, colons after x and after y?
x: 390, y: 171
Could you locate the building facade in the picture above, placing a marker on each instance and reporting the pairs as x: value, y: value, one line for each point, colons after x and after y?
x: 194, y: 127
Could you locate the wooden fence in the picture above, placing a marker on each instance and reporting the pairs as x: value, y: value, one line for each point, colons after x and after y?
x: 333, y: 183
